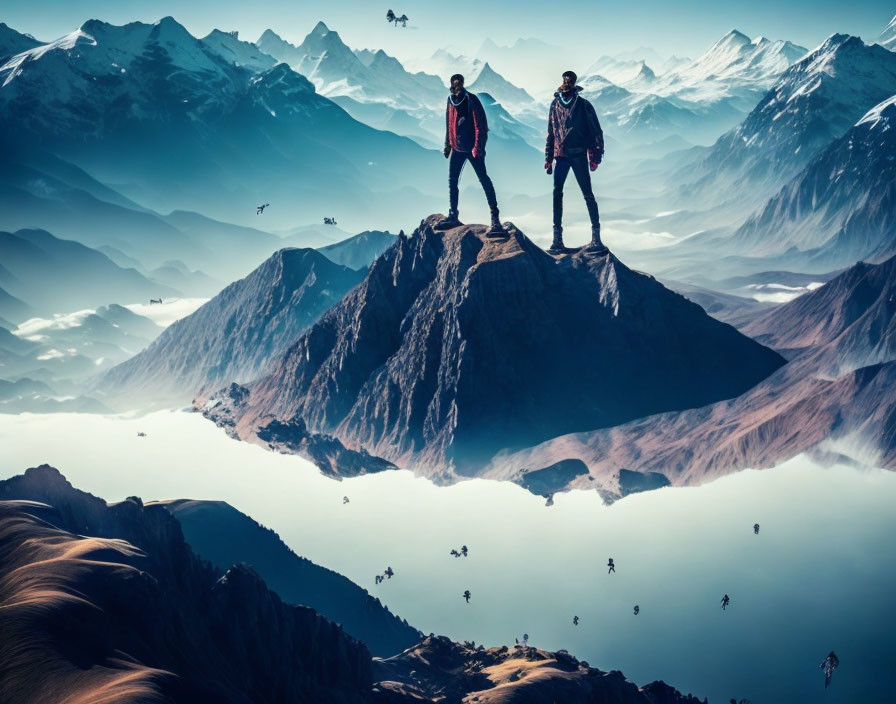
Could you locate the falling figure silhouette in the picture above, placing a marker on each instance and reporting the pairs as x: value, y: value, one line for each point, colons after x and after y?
x: 756, y: 528
x: 637, y: 610
x: 575, y: 620
x: 725, y: 601
x: 829, y: 664
x: 611, y: 565
x: 467, y: 595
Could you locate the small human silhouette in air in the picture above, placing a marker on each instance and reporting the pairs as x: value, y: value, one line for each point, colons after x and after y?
x: 756, y: 528
x: 378, y: 578
x: 575, y: 620
x: 389, y: 572
x: 467, y: 595
x: 463, y: 550
x: 345, y: 499
x: 611, y: 565
x: 454, y: 553
x: 637, y: 610
x: 829, y: 664
x: 725, y: 601
x: 260, y: 209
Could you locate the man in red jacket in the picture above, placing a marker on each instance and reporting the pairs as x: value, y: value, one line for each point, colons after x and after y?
x: 466, y: 131
x: 575, y: 142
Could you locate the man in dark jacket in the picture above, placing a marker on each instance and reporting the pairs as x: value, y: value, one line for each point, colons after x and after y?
x: 466, y: 131
x: 575, y: 141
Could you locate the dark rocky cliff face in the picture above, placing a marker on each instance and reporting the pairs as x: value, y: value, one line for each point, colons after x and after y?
x: 146, y: 618
x: 455, y: 347
x: 221, y: 534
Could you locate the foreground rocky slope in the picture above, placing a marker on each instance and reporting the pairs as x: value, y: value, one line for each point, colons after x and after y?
x: 456, y: 347
x: 131, y: 614
x: 107, y: 603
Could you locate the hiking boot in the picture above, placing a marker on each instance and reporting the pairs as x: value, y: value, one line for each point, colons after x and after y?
x: 596, y: 246
x: 557, y: 245
x: 496, y: 231
x: 448, y: 223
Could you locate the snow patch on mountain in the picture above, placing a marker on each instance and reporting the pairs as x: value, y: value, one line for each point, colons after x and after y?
x: 887, y: 38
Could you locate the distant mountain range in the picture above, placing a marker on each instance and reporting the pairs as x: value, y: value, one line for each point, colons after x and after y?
x: 813, y: 103
x: 54, y: 275
x: 335, y: 69
x: 840, y: 208
x: 447, y: 353
x: 696, y: 100
x: 201, y: 133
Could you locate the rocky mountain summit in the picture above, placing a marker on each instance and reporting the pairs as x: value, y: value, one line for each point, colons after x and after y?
x: 456, y: 347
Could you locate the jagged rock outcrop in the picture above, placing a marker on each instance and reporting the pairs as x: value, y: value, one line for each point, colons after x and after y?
x: 131, y: 614
x: 235, y: 334
x: 439, y: 670
x: 292, y: 436
x: 549, y: 480
x: 456, y: 347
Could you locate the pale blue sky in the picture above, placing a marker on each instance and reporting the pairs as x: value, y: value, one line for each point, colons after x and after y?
x: 586, y: 28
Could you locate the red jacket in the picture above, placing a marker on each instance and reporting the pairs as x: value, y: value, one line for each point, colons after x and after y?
x: 466, y: 127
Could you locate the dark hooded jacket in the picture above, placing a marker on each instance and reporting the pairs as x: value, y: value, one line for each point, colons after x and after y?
x: 466, y: 127
x: 573, y: 129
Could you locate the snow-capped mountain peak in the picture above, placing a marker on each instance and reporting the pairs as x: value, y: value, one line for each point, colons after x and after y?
x: 231, y: 48
x: 13, y: 42
x: 14, y: 67
x: 735, y: 67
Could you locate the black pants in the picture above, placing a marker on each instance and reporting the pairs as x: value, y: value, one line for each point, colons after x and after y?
x: 579, y: 166
x: 455, y: 166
